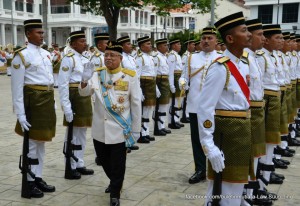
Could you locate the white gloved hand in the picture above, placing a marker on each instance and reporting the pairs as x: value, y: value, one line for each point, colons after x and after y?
x: 158, y: 94
x: 216, y: 158
x: 69, y: 116
x: 142, y: 97
x: 88, y: 71
x: 173, y: 89
x: 135, y: 135
x: 23, y: 122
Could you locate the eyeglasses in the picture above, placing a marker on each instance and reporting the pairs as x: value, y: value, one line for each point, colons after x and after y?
x: 112, y: 55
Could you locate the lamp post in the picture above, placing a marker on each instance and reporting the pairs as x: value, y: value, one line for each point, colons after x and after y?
x: 212, y: 13
x: 12, y: 23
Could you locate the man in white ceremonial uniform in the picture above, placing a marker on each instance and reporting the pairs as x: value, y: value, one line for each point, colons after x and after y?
x: 117, y: 115
x: 128, y: 60
x: 193, y: 76
x: 163, y: 84
x: 33, y: 101
x: 77, y: 109
x: 146, y: 71
x: 223, y: 114
x: 175, y: 70
x: 97, y: 58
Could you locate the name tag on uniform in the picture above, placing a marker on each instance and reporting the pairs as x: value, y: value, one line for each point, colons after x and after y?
x: 121, y: 85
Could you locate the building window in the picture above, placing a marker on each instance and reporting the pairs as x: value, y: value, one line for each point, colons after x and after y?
x: 19, y: 5
x: 7, y: 4
x: 40, y: 9
x: 60, y: 6
x: 146, y: 17
x: 29, y: 6
x: 124, y: 16
x: 290, y: 13
x: 141, y: 17
x: 265, y: 14
x: 82, y: 10
x: 152, y: 20
x: 137, y: 16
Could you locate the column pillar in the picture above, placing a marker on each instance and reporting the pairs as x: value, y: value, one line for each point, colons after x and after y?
x: 49, y: 8
x: 15, y: 34
x: 25, y: 6
x: 3, y: 34
x: 49, y: 43
x: 36, y: 8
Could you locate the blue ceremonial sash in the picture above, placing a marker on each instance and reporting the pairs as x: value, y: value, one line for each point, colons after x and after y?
x: 125, y: 124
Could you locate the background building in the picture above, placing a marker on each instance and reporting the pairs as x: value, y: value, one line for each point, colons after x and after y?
x: 64, y: 17
x: 283, y: 12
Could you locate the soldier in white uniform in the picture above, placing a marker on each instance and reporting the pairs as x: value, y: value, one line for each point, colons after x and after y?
x: 117, y: 115
x: 223, y: 113
x: 146, y: 71
x: 175, y: 70
x: 76, y: 108
x: 97, y: 58
x: 56, y: 58
x: 33, y: 101
x: 162, y: 82
x: 128, y: 60
x: 198, y: 45
x: 193, y: 75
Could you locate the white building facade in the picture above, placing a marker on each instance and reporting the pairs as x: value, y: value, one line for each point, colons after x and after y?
x: 64, y: 18
x: 283, y: 12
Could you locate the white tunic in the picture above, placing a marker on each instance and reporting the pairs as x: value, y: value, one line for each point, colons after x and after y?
x: 200, y: 61
x: 161, y: 64
x: 279, y: 68
x: 214, y: 96
x: 70, y: 71
x: 128, y: 61
x: 104, y: 128
x: 98, y: 59
x: 38, y: 71
x: 145, y: 65
x: 175, y: 64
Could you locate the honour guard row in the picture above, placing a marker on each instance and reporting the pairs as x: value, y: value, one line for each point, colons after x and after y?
x: 241, y: 98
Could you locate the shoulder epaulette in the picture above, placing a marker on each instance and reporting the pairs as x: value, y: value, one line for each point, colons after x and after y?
x: 18, y: 50
x: 97, y: 54
x: 245, y: 57
x: 294, y: 53
x: 100, y: 69
x: 245, y: 54
x: 223, y: 60
x: 70, y: 54
x: 220, y: 52
x: 140, y: 54
x: 260, y: 53
x: 131, y: 73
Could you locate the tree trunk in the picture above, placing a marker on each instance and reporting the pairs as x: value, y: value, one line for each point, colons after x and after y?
x: 112, y: 22
x: 45, y: 20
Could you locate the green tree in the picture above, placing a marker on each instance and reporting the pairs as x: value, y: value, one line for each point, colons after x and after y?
x: 110, y: 9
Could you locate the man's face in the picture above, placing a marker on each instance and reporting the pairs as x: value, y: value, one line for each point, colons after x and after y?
x: 294, y: 44
x: 176, y: 47
x: 127, y: 47
x: 92, y: 50
x: 258, y: 39
x: 298, y: 46
x: 163, y: 48
x: 208, y: 42
x: 112, y: 59
x: 56, y: 48
x: 191, y: 47
x: 35, y: 36
x: 79, y: 45
x: 287, y: 45
x: 274, y: 41
x: 240, y: 37
x: 101, y: 45
x: 281, y: 43
x: 146, y: 47
x: 198, y: 47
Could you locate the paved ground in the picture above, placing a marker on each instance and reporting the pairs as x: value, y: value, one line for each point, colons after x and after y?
x: 157, y: 174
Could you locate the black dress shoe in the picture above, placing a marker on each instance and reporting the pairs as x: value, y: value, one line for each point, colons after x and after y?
x: 167, y: 131
x: 179, y: 124
x: 277, y: 175
x: 290, y: 150
x: 97, y: 161
x: 279, y: 164
x: 293, y: 142
x: 34, y: 190
x: 185, y: 120
x: 285, y: 161
x: 174, y: 126
x: 278, y: 150
x: 262, y: 200
x: 56, y: 87
x: 150, y: 138
x: 108, y: 189
x: 134, y: 147
x: 275, y: 180
x: 42, y: 185
x: 270, y: 195
x: 128, y: 150
x: 159, y: 133
x: 75, y: 175
x: 143, y: 140
x: 85, y: 171
x: 114, y: 202
x: 197, y: 177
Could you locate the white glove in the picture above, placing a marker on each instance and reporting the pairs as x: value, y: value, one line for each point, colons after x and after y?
x: 158, y: 94
x: 216, y: 158
x: 23, y: 122
x: 172, y: 88
x: 142, y: 97
x: 135, y: 135
x: 88, y: 71
x: 69, y: 116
